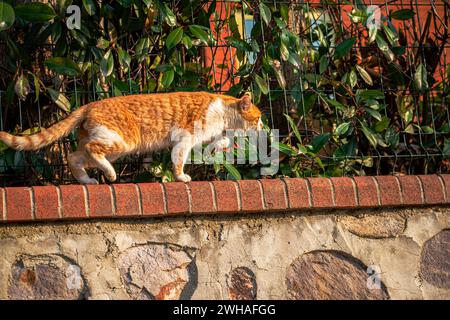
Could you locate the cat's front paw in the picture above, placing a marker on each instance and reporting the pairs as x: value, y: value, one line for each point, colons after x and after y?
x: 90, y: 181
x: 184, y: 178
x: 111, y: 176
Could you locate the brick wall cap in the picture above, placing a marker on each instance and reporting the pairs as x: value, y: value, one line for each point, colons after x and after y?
x: 68, y: 202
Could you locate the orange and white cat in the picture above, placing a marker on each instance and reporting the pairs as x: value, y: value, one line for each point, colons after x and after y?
x: 114, y: 127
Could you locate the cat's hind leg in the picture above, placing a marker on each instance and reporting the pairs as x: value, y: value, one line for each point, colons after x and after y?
x: 98, y: 154
x: 180, y: 152
x: 78, y: 163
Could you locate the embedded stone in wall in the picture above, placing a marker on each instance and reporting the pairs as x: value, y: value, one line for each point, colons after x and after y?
x: 242, y: 284
x: 382, y: 225
x: 46, y: 277
x: 435, y: 260
x: 331, y: 275
x: 155, y: 271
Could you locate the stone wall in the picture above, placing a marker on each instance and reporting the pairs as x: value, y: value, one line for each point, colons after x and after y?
x: 384, y: 253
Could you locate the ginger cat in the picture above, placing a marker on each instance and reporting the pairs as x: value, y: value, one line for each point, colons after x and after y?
x: 114, y: 127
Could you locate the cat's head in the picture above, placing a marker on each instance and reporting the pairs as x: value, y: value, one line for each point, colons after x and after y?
x: 250, y: 113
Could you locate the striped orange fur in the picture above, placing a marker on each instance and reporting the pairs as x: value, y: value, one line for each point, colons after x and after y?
x: 113, y: 127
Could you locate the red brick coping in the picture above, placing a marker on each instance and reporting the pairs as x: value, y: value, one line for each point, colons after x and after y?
x: 201, y: 197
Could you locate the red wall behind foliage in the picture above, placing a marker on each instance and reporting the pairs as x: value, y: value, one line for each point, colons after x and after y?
x: 222, y: 60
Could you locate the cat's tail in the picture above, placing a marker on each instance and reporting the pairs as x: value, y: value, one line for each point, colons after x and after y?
x: 46, y: 136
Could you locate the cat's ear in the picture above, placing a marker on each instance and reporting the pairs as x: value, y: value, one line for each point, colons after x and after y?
x: 245, y: 103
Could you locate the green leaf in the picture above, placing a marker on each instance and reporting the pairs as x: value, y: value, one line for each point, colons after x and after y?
x: 445, y: 128
x: 35, y: 12
x: 79, y: 37
x: 427, y: 129
x: 294, y: 127
x: 343, y: 128
x: 369, y: 134
x: 275, y: 64
x: 420, y: 78
x: 391, y: 36
x: 235, y: 91
x: 61, y: 65
x: 323, y: 63
x: 22, y: 87
x: 255, y: 46
x: 7, y: 16
x: 410, y: 129
x: 335, y: 104
x: 373, y: 31
x: 294, y: 59
x: 366, y: 161
x: 392, y: 138
x: 3, y: 147
x: 384, y: 47
x: 30, y: 131
x: 234, y: 27
x: 403, y: 14
x: 280, y: 23
x: 381, y: 141
x: 187, y: 41
x: 124, y: 57
x: 408, y: 116
x: 168, y: 15
x: 365, y: 75
x: 200, y: 33
x: 357, y: 15
x: 284, y: 11
x: 302, y: 149
x: 353, y: 78
x: 265, y: 13
x: 284, y: 51
x: 142, y: 47
x: 61, y: 5
x: 347, y: 150
x: 319, y: 142
x: 167, y: 78
x: 56, y: 32
x: 366, y: 95
x: 60, y: 99
x: 232, y: 171
x: 262, y: 84
x: 305, y: 101
x: 107, y: 64
x: 239, y: 44
x: 344, y: 48
x: 382, y: 125
x: 174, y: 38
x: 284, y: 148
x: 374, y: 105
x: 374, y: 113
x: 89, y: 5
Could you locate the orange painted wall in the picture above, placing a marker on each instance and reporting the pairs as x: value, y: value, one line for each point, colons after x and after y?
x: 222, y: 59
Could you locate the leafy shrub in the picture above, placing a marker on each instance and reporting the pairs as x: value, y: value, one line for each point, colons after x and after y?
x: 350, y: 99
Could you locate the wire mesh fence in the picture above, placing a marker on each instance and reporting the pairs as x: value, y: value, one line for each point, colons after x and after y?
x: 355, y: 87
